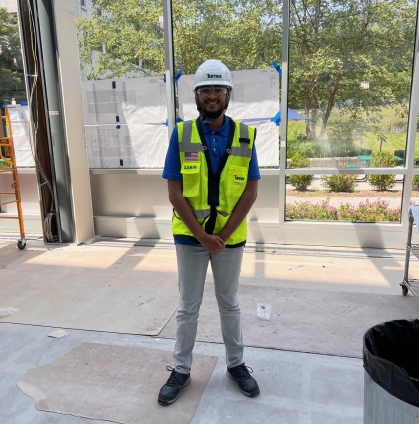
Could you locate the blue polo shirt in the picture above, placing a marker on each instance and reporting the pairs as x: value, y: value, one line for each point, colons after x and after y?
x: 217, y: 144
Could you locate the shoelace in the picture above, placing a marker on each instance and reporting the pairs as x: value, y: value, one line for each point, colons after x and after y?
x: 244, y: 371
x: 174, y: 378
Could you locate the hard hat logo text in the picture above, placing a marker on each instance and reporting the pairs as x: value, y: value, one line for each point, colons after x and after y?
x: 213, y: 76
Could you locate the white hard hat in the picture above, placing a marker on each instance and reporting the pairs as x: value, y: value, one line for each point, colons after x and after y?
x: 213, y: 72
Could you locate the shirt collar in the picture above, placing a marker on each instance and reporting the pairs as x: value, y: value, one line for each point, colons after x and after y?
x: 224, y: 130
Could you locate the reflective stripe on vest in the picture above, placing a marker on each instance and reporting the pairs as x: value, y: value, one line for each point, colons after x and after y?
x: 195, y: 175
x: 243, y: 150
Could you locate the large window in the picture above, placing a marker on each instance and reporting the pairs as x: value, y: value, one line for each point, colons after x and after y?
x: 349, y: 85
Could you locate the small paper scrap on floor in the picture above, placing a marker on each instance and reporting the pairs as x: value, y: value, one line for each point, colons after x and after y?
x: 264, y: 311
x: 58, y: 334
x: 7, y: 311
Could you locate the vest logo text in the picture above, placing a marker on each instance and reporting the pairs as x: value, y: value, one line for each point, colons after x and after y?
x: 190, y: 167
x: 237, y: 178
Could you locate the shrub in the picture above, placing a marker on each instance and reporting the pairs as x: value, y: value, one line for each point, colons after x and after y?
x: 415, y: 182
x: 300, y: 182
x: 382, y: 160
x: 339, y: 182
x: 377, y: 211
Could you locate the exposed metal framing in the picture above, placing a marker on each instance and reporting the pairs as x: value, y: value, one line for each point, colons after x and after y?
x: 35, y: 82
x: 39, y: 46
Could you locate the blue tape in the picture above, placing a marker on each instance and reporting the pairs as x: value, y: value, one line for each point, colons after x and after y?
x: 113, y: 84
x: 178, y: 75
x: 24, y: 103
x: 277, y: 119
x: 118, y: 127
x: 4, y: 104
x: 117, y: 118
x: 178, y: 119
x: 255, y: 119
x: 121, y: 162
x: 276, y: 66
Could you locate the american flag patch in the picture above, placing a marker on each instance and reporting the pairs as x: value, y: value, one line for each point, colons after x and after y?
x: 191, y: 156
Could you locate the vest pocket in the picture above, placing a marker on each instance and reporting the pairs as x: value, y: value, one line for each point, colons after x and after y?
x: 191, y: 179
x: 237, y: 180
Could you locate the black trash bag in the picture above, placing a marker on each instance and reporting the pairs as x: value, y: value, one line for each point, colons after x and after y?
x: 391, y: 358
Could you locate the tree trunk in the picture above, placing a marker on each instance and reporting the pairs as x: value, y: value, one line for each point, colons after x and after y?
x: 307, y: 110
x: 330, y: 104
x: 314, y: 104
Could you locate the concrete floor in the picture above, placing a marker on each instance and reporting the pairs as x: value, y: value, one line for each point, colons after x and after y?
x: 125, y: 296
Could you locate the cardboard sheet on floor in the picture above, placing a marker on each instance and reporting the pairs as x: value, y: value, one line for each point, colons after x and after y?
x: 303, y: 320
x: 115, y: 383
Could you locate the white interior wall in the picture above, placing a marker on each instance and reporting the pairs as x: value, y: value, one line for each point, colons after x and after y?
x: 71, y: 96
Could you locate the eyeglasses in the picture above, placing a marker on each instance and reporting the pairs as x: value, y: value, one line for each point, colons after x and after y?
x: 206, y: 91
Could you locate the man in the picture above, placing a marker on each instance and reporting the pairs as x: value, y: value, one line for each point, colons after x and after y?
x: 212, y: 173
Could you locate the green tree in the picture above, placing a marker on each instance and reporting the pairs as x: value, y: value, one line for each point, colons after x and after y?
x: 121, y: 41
x: 10, y: 55
x: 245, y: 34
x: 336, y: 44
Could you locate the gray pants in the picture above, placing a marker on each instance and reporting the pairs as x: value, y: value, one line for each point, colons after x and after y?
x: 192, y: 267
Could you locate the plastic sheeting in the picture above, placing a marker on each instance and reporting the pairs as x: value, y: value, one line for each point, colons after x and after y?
x: 391, y: 352
x: 19, y: 121
x: 131, y: 146
x: 124, y: 101
x: 124, y: 122
x: 125, y: 119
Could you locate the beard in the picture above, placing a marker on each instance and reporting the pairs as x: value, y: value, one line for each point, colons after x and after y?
x: 213, y: 115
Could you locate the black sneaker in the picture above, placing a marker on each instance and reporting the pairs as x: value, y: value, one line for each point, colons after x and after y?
x: 171, y: 390
x: 241, y: 375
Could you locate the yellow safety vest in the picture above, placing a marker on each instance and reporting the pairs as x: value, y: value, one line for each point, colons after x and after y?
x: 207, y: 192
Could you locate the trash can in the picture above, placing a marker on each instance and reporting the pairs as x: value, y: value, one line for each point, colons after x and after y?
x: 391, y: 376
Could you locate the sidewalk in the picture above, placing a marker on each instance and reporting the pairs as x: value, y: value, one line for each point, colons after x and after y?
x: 118, y: 301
